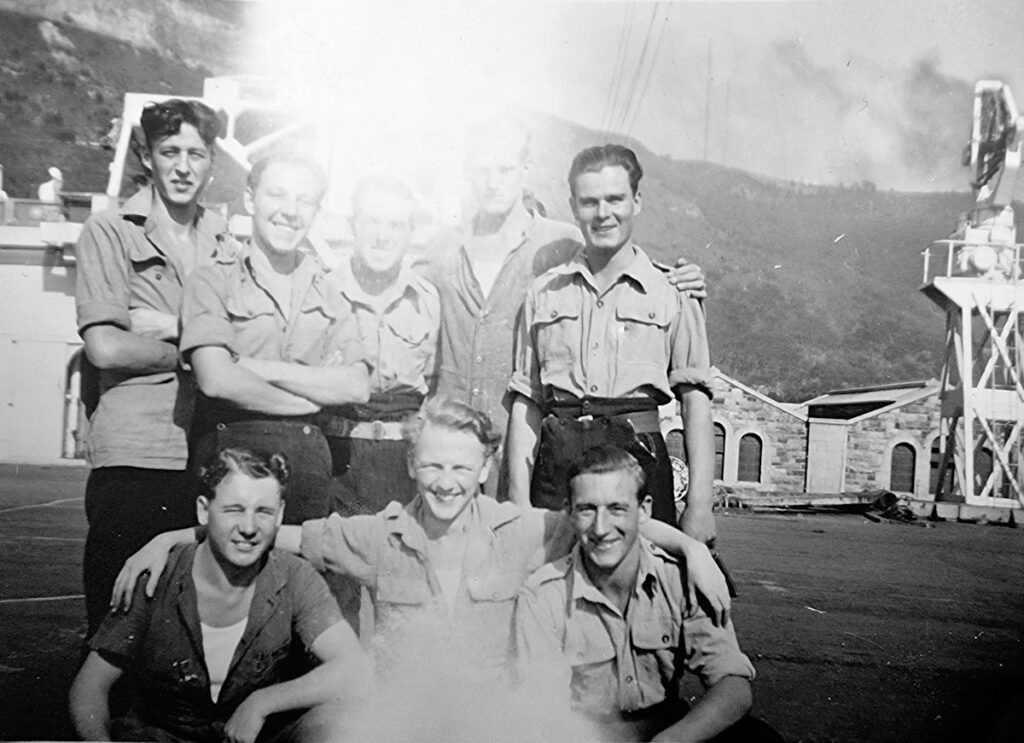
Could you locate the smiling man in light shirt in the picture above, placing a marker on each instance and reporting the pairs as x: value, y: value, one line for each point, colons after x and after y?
x: 269, y: 338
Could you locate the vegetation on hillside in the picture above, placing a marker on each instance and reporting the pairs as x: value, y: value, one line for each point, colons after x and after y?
x: 812, y: 288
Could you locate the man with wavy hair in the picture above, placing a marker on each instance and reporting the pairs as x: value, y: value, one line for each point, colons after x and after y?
x: 132, y: 264
x: 215, y: 655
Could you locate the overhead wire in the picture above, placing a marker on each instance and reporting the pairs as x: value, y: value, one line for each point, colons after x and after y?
x: 618, y: 71
x: 631, y: 92
x: 649, y: 74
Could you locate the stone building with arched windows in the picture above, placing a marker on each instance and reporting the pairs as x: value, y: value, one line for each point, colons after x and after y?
x: 883, y: 437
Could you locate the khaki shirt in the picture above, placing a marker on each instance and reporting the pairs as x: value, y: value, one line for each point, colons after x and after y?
x: 398, y: 328
x: 228, y: 305
x: 477, y: 331
x: 126, y: 260
x: 575, y: 646
x: 639, y: 338
x: 386, y: 553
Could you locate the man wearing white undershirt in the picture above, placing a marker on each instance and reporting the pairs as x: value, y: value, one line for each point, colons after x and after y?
x: 215, y: 655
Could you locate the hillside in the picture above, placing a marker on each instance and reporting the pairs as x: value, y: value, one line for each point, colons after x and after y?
x: 811, y: 287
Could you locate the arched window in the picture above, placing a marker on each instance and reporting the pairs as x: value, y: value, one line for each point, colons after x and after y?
x: 719, y: 451
x: 749, y: 468
x: 901, y: 471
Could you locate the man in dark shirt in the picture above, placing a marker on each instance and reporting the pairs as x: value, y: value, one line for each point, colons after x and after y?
x: 213, y: 654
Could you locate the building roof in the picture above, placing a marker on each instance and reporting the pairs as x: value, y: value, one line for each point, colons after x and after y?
x: 797, y: 411
x: 858, y: 403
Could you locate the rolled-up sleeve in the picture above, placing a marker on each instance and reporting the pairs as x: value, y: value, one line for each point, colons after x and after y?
x: 315, y: 607
x: 204, y: 316
x: 345, y: 545
x: 712, y: 652
x: 102, y: 289
x: 526, y: 378
x: 690, y: 358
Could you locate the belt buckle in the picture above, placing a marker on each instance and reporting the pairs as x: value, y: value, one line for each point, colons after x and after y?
x: 378, y: 430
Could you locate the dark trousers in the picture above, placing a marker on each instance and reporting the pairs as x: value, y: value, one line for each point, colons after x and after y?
x: 304, y: 445
x: 376, y: 474
x: 564, y: 439
x: 125, y: 508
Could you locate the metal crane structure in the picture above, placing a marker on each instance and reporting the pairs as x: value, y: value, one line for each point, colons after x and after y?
x: 975, y: 277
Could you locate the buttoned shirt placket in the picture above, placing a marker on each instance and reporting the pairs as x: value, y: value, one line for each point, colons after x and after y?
x: 617, y: 625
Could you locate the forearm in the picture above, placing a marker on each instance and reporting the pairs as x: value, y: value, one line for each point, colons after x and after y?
x: 113, y: 349
x: 90, y: 713
x: 221, y: 379
x: 523, y: 440
x: 671, y: 539
x: 722, y: 705
x: 698, y: 435
x: 322, y: 385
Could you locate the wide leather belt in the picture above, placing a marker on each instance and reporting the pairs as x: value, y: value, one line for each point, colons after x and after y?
x: 643, y: 421
x: 368, y: 430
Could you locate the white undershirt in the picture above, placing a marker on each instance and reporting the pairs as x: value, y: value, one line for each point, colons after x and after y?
x: 219, y: 645
x: 449, y: 582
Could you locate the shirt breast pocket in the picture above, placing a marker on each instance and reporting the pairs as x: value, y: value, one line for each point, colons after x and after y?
x: 494, y: 587
x: 643, y: 326
x: 556, y: 327
x: 400, y: 590
x: 409, y: 345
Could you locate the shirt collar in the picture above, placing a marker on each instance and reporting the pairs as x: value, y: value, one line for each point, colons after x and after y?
x: 640, y: 269
x: 406, y: 281
x: 582, y: 588
x: 406, y: 522
x: 140, y: 207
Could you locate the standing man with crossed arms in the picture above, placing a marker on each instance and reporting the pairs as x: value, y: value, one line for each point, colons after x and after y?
x: 132, y: 263
x: 269, y: 337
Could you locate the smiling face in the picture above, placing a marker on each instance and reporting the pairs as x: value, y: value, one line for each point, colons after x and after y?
x: 605, y: 206
x: 449, y: 467
x: 606, y: 513
x: 381, y: 229
x: 241, y: 519
x: 283, y: 204
x: 180, y: 165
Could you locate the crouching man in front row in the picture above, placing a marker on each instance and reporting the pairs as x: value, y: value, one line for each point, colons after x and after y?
x: 606, y: 630
x: 217, y: 654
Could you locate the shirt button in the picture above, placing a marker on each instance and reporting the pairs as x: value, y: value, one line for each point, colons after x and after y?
x: 479, y: 359
x: 305, y: 430
x: 595, y: 346
x: 476, y: 390
x: 159, y: 276
x: 629, y: 679
x: 600, y: 303
x: 554, y: 313
x: 593, y: 388
x: 664, y: 638
x: 650, y: 315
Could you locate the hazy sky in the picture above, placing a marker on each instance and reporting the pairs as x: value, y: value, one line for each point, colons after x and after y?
x: 824, y: 91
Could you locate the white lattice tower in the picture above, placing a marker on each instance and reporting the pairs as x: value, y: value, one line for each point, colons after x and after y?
x: 980, y: 287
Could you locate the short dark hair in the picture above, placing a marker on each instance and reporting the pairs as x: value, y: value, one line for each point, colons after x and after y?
x: 164, y: 119
x: 256, y: 465
x: 594, y: 159
x: 382, y: 183
x: 288, y: 157
x: 457, y: 416
x: 605, y: 458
